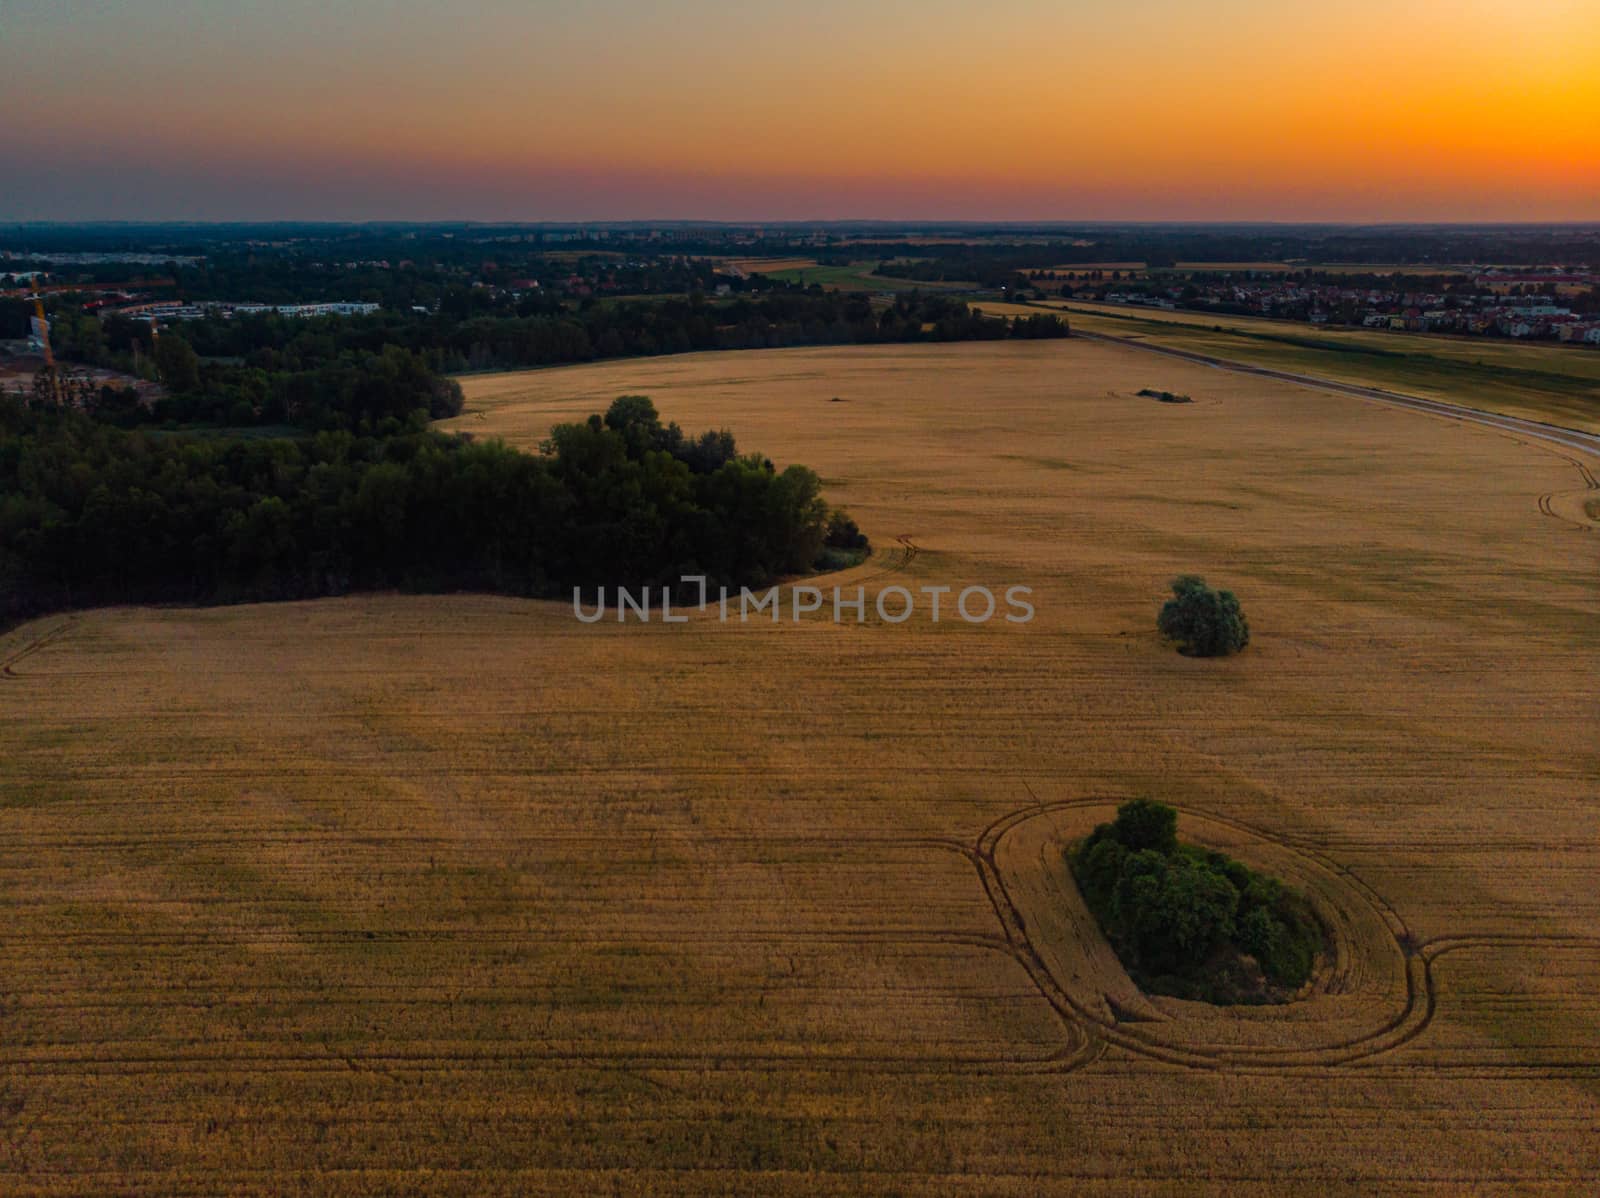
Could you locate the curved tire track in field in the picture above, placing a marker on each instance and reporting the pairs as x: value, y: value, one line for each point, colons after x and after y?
x: 1590, y: 483
x: 199, y: 1057
x: 896, y: 562
x: 1078, y: 1046
x: 1403, y: 1026
x: 43, y: 641
x: 733, y: 1058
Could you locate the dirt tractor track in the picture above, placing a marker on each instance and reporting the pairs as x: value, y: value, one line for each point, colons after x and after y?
x: 1393, y: 1031
x: 1088, y: 1028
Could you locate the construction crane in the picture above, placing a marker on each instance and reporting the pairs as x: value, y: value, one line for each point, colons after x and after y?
x: 155, y: 346
x: 42, y: 330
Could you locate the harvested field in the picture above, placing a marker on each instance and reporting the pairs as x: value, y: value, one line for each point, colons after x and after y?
x: 762, y: 266
x: 857, y: 276
x: 453, y: 894
x: 1002, y: 308
x: 1335, y: 268
x: 1556, y: 384
x: 1132, y: 269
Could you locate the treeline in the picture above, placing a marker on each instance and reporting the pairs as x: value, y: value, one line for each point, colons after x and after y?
x: 987, y: 271
x: 533, y: 331
x: 91, y: 514
x: 239, y: 249
x: 989, y: 259
x: 772, y: 321
x: 438, y: 275
x: 360, y: 372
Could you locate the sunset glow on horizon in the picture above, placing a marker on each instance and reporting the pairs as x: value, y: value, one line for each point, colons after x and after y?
x: 1150, y: 110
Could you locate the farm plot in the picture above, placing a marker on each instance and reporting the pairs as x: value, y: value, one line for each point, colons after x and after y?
x: 454, y: 894
x: 1556, y: 384
x: 857, y: 276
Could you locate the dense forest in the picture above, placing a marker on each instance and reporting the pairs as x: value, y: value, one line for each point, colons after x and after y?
x: 91, y: 514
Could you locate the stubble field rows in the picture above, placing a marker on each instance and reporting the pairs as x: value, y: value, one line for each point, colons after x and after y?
x: 456, y: 894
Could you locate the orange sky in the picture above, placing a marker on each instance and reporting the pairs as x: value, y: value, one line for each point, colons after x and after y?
x: 612, y: 109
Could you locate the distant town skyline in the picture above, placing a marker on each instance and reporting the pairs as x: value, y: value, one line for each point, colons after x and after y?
x: 1239, y: 110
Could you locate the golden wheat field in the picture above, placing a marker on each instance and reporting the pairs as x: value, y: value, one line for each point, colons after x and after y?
x: 455, y: 894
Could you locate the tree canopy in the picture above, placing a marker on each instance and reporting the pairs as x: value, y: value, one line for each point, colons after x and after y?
x: 356, y: 371
x: 1189, y: 921
x: 92, y: 514
x: 1204, y: 622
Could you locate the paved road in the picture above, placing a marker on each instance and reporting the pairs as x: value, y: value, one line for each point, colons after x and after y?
x: 1568, y: 438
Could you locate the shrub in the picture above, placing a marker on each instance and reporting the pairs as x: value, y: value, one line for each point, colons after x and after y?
x: 843, y: 533
x: 1290, y: 953
x: 1098, y: 865
x: 1204, y: 622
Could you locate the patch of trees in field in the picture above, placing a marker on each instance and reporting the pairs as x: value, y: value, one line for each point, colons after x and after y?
x: 1203, y: 622
x: 1192, y: 922
x: 91, y: 514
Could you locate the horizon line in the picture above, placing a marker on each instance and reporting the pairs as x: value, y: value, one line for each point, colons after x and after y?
x: 793, y: 222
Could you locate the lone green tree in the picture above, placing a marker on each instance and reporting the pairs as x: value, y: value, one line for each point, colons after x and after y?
x: 177, y: 364
x: 1203, y: 622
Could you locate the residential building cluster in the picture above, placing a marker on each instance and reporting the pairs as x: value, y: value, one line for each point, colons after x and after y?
x: 1482, y: 307
x: 177, y: 310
